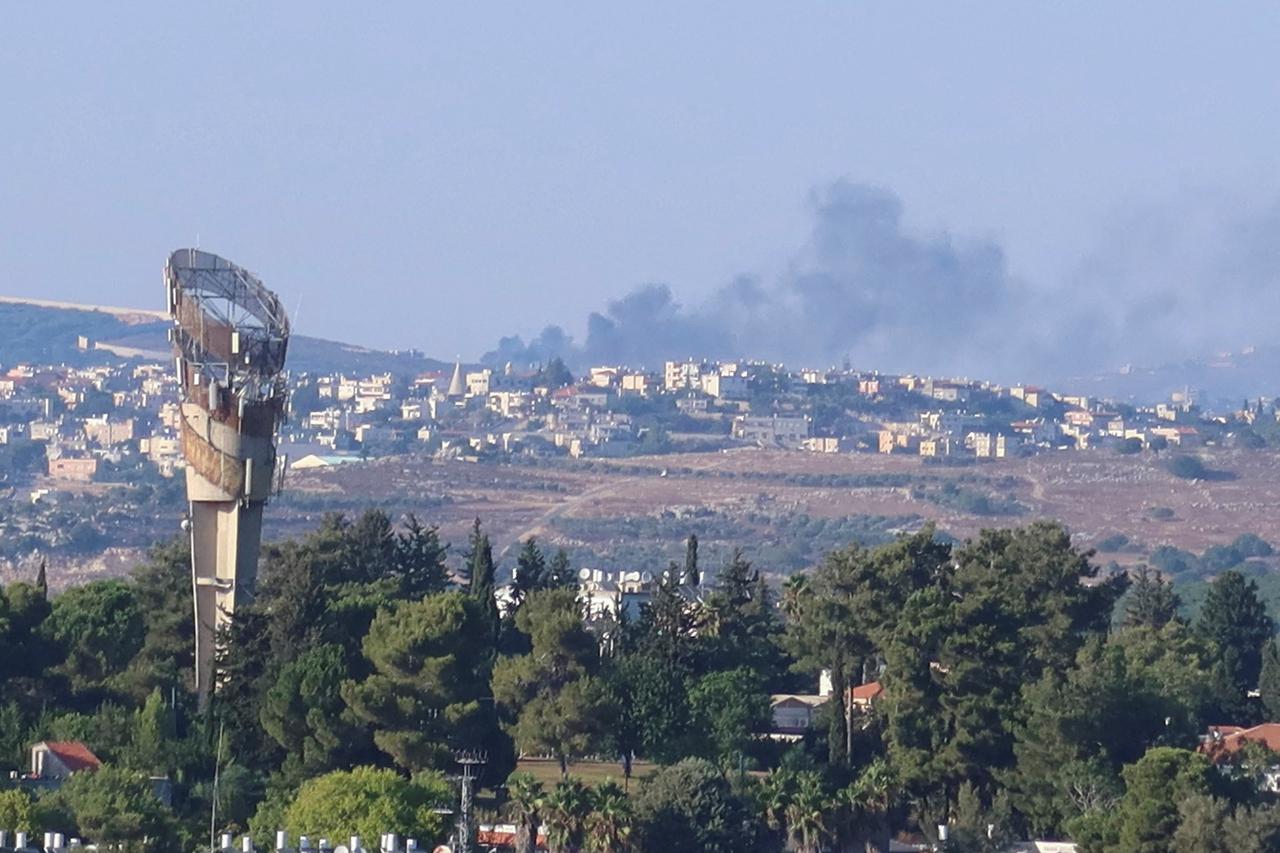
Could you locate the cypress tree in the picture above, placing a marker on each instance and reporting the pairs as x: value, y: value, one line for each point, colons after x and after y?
x: 691, y: 560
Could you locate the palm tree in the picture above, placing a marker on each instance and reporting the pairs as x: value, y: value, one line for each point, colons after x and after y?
x: 528, y: 800
x: 794, y: 590
x: 567, y: 807
x: 773, y: 795
x: 807, y: 813
x: 868, y: 799
x: 610, y: 821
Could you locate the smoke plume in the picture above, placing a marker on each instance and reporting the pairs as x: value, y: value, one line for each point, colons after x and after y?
x: 866, y: 288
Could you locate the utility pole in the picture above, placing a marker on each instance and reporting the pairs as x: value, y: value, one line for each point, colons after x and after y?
x: 465, y: 831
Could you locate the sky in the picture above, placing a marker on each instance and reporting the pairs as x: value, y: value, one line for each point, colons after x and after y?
x: 438, y: 176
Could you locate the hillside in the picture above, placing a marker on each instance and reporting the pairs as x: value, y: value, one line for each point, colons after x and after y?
x: 47, y: 332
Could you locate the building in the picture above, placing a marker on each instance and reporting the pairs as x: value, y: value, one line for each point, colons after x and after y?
x: 53, y: 759
x: 681, y: 375
x: 793, y: 714
x: 724, y: 387
x: 772, y: 430
x: 74, y: 469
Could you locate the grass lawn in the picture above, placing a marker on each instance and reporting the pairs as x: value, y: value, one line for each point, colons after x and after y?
x: 590, y: 773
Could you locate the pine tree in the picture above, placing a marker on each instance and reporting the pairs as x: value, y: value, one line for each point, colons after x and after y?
x: 559, y: 573
x: 531, y: 571
x: 1152, y: 601
x: 1234, y: 619
x: 419, y: 560
x: 42, y: 580
x: 1269, y: 681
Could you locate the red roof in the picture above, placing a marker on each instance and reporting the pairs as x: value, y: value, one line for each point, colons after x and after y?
x: 73, y: 754
x: 866, y: 692
x: 1224, y: 741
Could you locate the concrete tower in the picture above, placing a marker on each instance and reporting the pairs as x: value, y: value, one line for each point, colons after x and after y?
x: 229, y: 339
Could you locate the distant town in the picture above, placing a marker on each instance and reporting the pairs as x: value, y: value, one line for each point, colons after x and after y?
x: 89, y: 420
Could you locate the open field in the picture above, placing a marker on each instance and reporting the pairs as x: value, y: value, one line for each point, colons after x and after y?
x: 786, y: 509
x: 590, y: 773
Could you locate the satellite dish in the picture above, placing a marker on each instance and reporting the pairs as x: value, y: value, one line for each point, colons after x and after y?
x: 646, y: 576
x: 341, y: 848
x: 584, y: 574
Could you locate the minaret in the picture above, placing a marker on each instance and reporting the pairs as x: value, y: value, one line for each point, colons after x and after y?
x: 457, y: 387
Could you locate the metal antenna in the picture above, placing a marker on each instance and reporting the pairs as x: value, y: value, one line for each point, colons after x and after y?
x: 470, y: 760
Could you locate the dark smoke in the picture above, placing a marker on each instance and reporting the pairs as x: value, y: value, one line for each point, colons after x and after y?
x: 867, y: 289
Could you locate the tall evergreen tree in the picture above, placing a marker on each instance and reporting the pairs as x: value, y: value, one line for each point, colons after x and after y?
x: 1152, y: 602
x: 530, y: 573
x: 1234, y: 620
x: 419, y: 560
x: 553, y: 698
x: 691, y: 576
x: 1269, y: 681
x: 483, y: 581
x: 428, y: 694
x: 559, y: 573
x: 742, y: 627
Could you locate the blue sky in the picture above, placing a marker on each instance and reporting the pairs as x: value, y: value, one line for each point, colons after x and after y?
x: 437, y: 175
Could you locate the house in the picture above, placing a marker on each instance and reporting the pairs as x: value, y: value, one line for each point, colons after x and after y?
x: 53, y: 759
x: 864, y: 696
x: 1222, y: 742
x: 793, y: 714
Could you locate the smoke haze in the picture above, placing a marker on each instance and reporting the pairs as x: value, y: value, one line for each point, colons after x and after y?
x: 1166, y: 282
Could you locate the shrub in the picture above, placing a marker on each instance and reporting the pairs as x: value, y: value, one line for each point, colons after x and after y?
x: 1187, y: 468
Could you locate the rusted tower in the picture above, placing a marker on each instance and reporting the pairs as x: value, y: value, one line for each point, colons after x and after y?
x: 229, y: 339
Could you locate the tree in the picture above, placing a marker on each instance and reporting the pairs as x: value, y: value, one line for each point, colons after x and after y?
x: 1147, y: 818
x: 100, y: 628
x: 17, y: 811
x: 806, y: 813
x: 691, y: 574
x: 116, y: 806
x: 482, y: 576
x: 668, y: 624
x: 688, y: 807
x: 162, y: 587
x: 729, y: 708
x: 528, y: 799
x: 1010, y: 606
x: 427, y: 696
x: 610, y: 822
x: 741, y: 626
x: 1151, y: 601
x: 653, y: 709
x: 530, y: 572
x: 304, y: 713
x: 1269, y: 680
x: 419, y: 560
x: 839, y: 618
x: 1234, y: 620
x: 154, y: 736
x: 552, y: 697
x: 869, y: 798
x: 1187, y: 467
x: 565, y: 811
x: 560, y: 573
x: 368, y: 801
